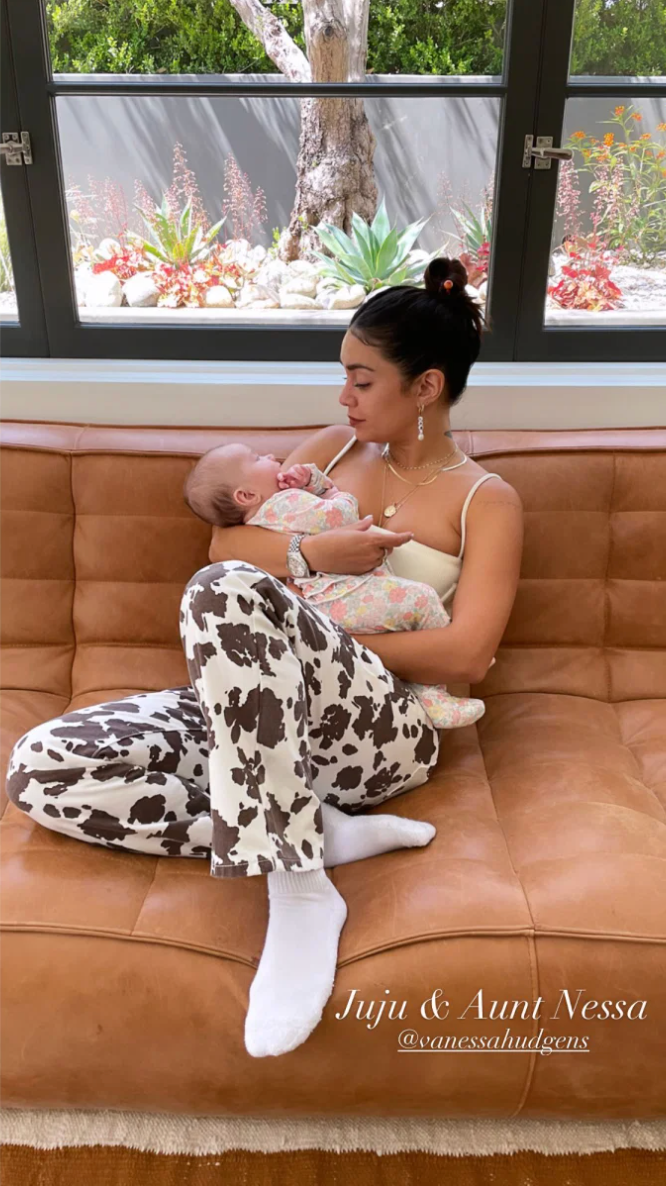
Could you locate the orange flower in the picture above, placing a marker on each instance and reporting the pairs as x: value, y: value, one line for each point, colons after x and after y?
x: 609, y: 138
x: 578, y: 136
x: 636, y: 115
x: 619, y: 110
x: 645, y: 136
x: 661, y: 127
x: 661, y: 155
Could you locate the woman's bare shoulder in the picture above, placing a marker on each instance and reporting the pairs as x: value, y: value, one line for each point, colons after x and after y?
x: 321, y: 447
x: 499, y: 490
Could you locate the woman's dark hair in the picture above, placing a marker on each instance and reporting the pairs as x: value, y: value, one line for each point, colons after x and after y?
x: 419, y: 329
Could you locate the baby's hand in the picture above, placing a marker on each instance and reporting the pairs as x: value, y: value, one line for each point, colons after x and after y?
x: 297, y: 476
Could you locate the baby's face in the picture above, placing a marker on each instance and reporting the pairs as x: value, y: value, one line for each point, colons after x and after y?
x: 258, y: 471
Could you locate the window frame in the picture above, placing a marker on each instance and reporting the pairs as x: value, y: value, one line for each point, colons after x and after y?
x: 27, y: 336
x: 532, y: 91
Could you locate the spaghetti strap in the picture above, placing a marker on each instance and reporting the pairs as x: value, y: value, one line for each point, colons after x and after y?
x: 465, y: 506
x: 345, y: 448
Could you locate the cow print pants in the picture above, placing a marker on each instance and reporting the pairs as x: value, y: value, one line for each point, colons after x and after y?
x: 284, y: 710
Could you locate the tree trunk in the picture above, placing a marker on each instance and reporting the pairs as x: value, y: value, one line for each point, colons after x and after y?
x: 334, y: 173
x: 334, y: 170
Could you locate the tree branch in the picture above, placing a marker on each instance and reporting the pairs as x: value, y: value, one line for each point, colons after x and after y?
x: 279, y: 46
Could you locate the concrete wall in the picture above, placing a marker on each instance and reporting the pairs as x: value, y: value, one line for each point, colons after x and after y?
x: 422, y: 143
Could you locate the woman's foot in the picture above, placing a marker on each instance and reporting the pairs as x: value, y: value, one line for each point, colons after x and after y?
x: 355, y: 837
x: 297, y: 967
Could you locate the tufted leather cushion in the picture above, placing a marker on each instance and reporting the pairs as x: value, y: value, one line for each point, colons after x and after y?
x: 126, y: 977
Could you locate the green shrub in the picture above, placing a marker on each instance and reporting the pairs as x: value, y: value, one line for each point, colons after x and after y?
x: 208, y: 36
x: 404, y: 36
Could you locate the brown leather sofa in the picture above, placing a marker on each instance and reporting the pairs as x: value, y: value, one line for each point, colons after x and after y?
x: 126, y: 978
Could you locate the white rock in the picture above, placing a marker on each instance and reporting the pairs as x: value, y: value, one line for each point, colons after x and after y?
x: 219, y: 297
x: 345, y: 298
x: 82, y: 275
x: 251, y: 295
x: 302, y: 267
x: 272, y: 272
x: 238, y: 251
x: 295, y: 300
x: 299, y: 285
x: 107, y: 248
x: 140, y: 291
x: 258, y: 254
x: 239, y: 245
x: 103, y: 291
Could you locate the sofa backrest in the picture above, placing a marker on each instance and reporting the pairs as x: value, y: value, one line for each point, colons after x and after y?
x: 98, y: 546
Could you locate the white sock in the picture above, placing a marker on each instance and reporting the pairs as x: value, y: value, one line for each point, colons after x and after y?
x: 297, y: 967
x: 355, y: 837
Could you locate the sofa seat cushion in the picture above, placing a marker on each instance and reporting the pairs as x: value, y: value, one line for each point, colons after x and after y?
x: 548, y: 872
x: 19, y: 712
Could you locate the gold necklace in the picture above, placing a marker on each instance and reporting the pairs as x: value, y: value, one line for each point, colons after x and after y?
x: 391, y: 510
x: 387, y: 453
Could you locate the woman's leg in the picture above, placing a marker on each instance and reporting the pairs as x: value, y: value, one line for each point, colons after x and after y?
x: 297, y: 711
x: 130, y: 774
x: 134, y: 775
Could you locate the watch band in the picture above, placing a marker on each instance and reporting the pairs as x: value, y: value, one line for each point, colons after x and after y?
x: 296, y: 562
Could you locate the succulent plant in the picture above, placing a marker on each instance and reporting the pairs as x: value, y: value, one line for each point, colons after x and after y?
x: 475, y: 231
x: 176, y: 240
x: 375, y: 256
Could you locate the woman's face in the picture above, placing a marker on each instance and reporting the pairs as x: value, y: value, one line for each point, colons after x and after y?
x: 378, y: 406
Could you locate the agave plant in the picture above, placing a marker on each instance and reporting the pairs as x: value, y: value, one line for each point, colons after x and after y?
x: 475, y: 231
x: 176, y: 240
x: 375, y: 256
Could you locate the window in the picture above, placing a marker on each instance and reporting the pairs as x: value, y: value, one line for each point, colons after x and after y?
x: 190, y: 181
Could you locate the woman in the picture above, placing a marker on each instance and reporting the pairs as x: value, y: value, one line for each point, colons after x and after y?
x: 292, y: 726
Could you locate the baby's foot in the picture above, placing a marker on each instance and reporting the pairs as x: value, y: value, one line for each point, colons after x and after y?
x: 446, y: 711
x: 355, y: 837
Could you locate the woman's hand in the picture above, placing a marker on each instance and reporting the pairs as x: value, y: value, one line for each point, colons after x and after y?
x: 355, y: 549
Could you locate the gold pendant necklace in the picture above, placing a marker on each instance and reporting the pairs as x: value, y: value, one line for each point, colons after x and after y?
x: 393, y: 508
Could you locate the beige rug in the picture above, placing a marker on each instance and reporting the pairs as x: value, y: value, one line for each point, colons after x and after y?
x: 205, y: 1135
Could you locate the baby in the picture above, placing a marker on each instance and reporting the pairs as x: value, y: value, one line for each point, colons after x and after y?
x: 233, y: 485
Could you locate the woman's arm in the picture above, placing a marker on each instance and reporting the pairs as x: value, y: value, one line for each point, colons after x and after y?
x: 462, y: 652
x: 257, y: 545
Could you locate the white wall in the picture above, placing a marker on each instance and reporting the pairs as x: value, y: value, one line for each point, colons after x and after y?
x: 269, y: 394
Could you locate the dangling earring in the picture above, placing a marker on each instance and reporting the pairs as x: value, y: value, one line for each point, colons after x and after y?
x: 420, y: 422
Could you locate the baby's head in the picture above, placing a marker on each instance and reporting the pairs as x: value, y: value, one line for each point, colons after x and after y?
x: 229, y: 484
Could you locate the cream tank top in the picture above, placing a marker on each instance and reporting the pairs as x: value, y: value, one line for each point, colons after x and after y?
x: 419, y: 562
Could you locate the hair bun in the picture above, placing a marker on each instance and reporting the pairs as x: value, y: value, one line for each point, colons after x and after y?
x: 445, y: 277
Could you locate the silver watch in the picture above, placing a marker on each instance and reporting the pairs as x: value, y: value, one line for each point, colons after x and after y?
x: 296, y: 562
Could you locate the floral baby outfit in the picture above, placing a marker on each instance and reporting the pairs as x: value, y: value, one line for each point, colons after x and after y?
x: 370, y: 602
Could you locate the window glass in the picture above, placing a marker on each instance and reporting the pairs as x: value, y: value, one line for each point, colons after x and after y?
x: 8, y: 309
x: 616, y: 37
x: 608, y: 249
x: 200, y: 217
x: 210, y: 37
